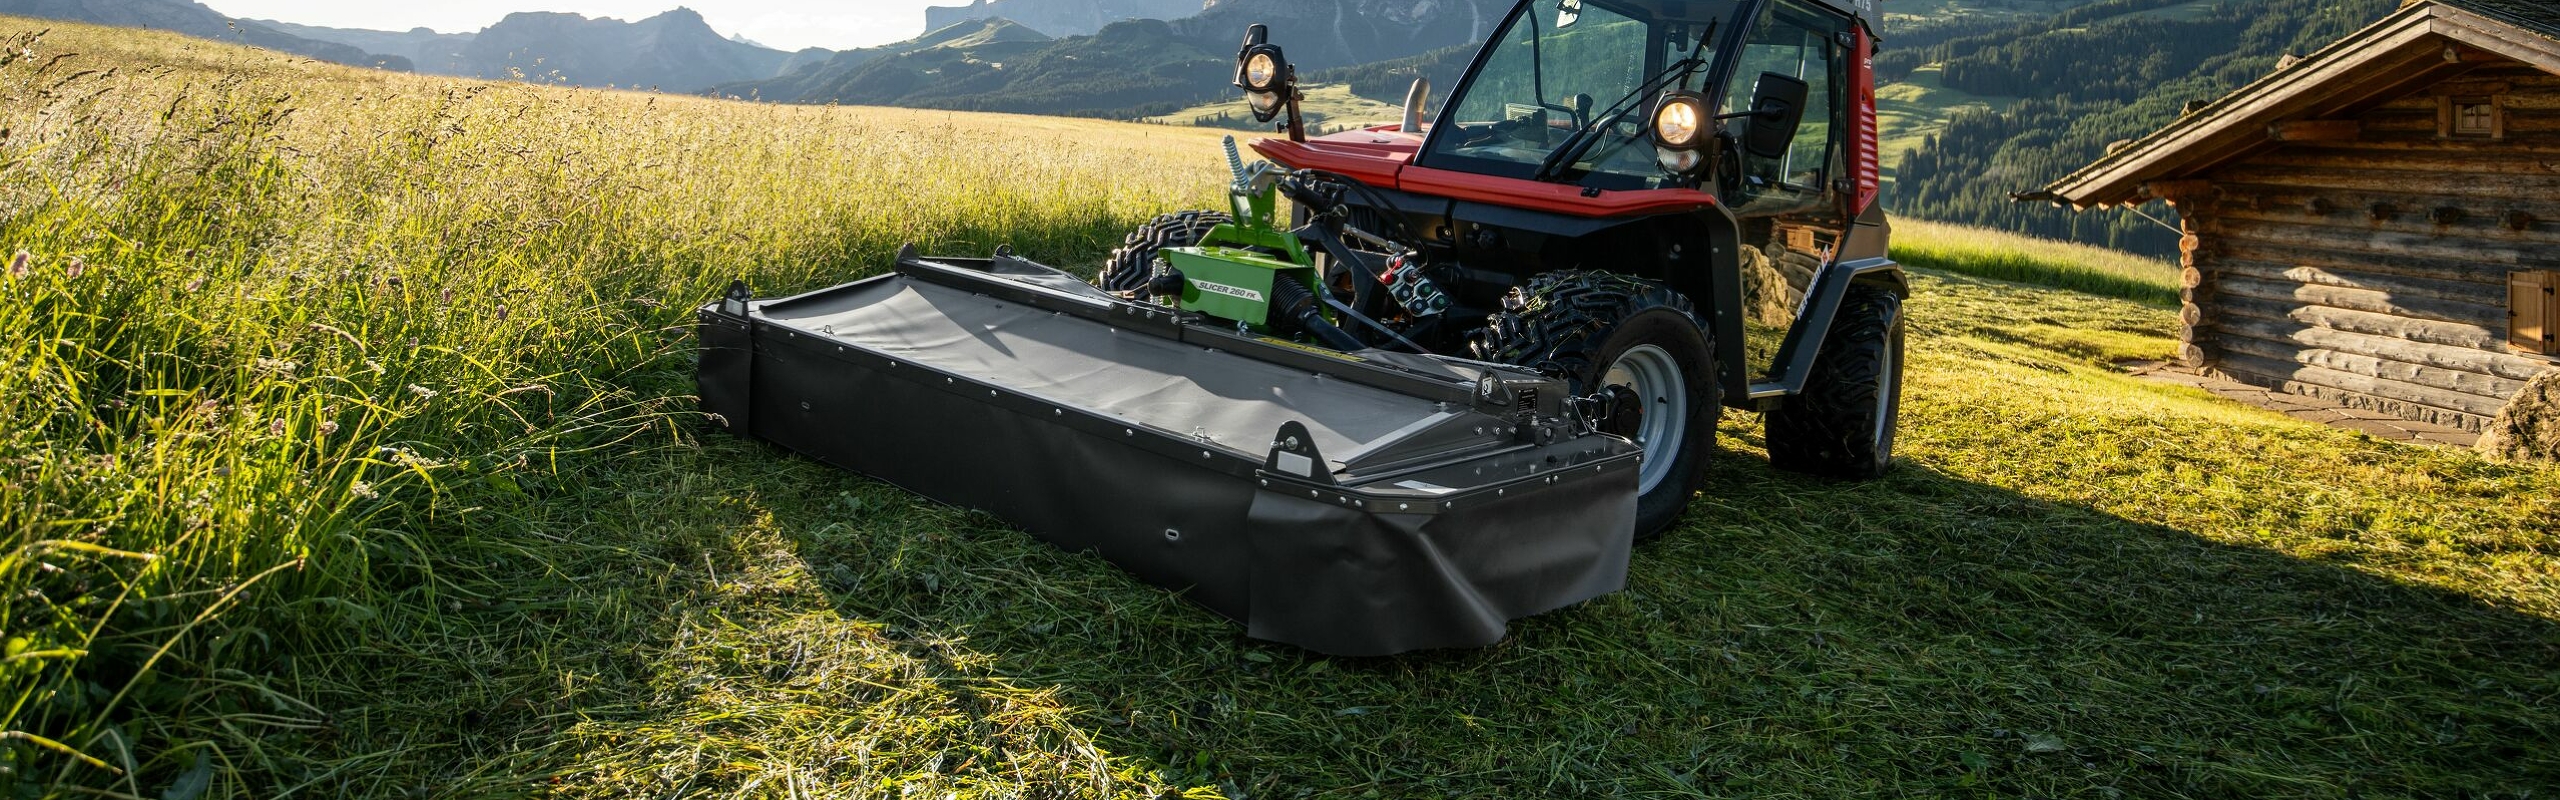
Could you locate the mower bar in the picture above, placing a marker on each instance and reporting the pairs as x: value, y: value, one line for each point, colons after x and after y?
x: 1356, y: 504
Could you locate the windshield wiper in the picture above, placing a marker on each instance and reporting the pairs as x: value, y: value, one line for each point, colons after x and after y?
x: 1586, y: 136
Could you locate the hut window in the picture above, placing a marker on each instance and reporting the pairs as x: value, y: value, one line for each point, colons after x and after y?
x: 2533, y: 316
x: 2474, y: 117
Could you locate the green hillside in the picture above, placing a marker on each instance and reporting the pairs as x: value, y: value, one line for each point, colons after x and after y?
x: 1326, y: 107
x: 351, y: 453
x: 1911, y: 112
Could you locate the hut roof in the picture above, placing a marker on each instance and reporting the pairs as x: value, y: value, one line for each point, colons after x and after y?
x: 2417, y: 46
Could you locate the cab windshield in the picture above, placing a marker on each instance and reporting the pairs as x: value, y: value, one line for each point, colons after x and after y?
x: 1558, y: 68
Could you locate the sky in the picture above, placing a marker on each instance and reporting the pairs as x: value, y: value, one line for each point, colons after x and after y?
x: 786, y: 24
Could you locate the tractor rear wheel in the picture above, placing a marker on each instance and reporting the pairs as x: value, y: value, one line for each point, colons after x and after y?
x: 1843, y: 425
x: 1637, y: 345
x: 1134, y: 263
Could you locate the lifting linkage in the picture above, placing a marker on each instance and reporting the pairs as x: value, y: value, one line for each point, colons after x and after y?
x: 1253, y: 196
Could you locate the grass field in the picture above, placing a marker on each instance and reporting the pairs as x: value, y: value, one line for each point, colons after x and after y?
x: 348, y: 453
x: 2064, y: 265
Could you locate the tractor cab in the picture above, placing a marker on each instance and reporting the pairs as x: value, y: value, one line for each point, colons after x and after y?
x: 1544, y: 103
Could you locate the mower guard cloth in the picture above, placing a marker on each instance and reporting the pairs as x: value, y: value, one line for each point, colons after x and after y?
x: 1353, y: 504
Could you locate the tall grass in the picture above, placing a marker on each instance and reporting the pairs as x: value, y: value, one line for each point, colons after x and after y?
x: 276, y: 333
x: 2025, y: 259
x: 348, y: 452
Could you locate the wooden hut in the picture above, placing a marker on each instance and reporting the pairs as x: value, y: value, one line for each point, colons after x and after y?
x: 2378, y: 223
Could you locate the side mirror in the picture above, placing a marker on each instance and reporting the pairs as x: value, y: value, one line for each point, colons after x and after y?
x: 1568, y: 12
x: 1777, y: 109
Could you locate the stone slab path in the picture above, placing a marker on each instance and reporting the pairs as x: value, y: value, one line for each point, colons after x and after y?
x: 2309, y: 409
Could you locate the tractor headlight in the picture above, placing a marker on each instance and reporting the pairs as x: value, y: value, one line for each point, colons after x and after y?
x: 1679, y: 131
x: 1261, y: 73
x: 1679, y: 122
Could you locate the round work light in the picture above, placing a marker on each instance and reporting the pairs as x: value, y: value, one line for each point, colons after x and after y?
x: 1680, y: 120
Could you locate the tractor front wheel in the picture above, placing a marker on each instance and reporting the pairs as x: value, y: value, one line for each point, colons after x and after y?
x: 1134, y: 263
x: 1843, y: 425
x: 1638, y: 347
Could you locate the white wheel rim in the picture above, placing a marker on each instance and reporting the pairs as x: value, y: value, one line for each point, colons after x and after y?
x: 1654, y: 377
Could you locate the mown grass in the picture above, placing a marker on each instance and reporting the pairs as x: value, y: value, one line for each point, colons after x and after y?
x: 2026, y: 259
x: 357, y: 460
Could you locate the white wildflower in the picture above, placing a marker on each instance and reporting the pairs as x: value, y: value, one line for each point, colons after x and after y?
x: 364, y: 490
x: 422, y: 392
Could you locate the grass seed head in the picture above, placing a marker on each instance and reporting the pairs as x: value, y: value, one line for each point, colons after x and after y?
x: 20, y: 264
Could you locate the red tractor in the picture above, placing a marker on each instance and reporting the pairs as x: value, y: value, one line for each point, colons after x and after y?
x: 1475, y: 361
x: 1618, y: 191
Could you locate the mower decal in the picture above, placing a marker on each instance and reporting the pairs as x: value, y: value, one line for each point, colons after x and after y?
x: 1313, y: 350
x: 1238, y: 292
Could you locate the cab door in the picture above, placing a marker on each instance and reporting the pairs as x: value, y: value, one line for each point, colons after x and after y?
x: 1791, y: 204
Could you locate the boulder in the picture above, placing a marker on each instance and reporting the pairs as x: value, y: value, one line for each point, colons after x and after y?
x: 2529, y: 428
x: 1768, y: 298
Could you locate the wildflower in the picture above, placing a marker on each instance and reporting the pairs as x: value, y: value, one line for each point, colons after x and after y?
x: 193, y: 285
x: 364, y: 490
x: 502, y: 312
x: 422, y: 392
x: 446, y: 298
x: 19, y: 264
x: 276, y: 427
x: 76, y: 268
x: 328, y: 427
x: 277, y: 366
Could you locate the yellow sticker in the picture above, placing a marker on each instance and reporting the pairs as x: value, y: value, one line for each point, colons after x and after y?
x: 1313, y: 349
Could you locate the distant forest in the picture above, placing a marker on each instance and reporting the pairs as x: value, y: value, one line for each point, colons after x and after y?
x: 2092, y: 84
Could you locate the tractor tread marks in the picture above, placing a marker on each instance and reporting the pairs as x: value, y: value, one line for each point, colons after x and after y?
x: 1134, y: 263
x: 1555, y: 323
x: 1830, y: 429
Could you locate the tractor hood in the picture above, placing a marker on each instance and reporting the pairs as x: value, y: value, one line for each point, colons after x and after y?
x: 1383, y: 158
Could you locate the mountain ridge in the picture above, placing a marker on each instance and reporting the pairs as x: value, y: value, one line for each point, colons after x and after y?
x: 1060, y: 17
x: 196, y: 19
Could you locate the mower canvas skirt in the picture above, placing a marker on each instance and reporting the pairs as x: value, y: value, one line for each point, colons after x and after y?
x: 1353, y: 504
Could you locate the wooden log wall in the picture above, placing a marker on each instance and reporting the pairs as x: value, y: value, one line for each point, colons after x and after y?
x: 2367, y: 262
